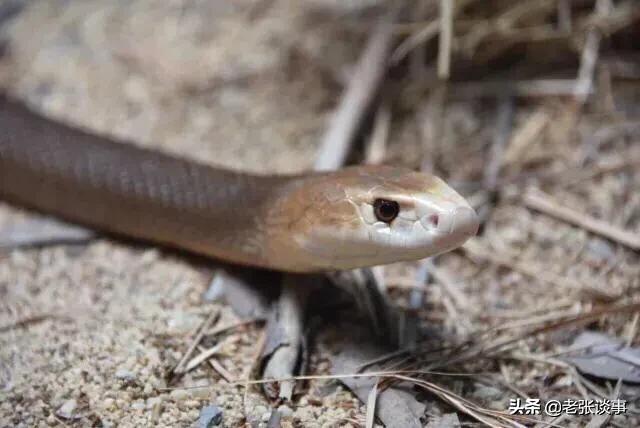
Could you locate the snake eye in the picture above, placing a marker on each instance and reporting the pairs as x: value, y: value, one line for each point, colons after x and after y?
x: 386, y: 210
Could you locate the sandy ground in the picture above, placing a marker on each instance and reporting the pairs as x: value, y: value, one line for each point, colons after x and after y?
x: 89, y: 332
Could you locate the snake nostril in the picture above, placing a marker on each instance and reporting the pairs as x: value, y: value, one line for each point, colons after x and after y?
x: 434, y: 220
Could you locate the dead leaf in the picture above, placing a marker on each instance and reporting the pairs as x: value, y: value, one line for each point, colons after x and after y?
x: 397, y: 406
x: 605, y: 357
x: 39, y: 231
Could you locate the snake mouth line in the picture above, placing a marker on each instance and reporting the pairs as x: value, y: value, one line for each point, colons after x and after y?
x: 446, y: 234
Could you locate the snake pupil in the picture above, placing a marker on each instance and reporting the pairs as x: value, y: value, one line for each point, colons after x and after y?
x: 386, y: 210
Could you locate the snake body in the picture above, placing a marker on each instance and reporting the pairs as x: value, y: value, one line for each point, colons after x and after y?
x: 299, y: 223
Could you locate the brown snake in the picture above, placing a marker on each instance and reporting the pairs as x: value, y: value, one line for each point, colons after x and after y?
x: 354, y: 217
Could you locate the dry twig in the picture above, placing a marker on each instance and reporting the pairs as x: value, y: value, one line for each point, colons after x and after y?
x: 539, y: 201
x: 589, y: 57
x: 363, y: 87
x: 206, y: 325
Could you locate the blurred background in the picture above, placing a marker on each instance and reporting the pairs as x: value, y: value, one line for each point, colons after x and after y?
x: 531, y: 109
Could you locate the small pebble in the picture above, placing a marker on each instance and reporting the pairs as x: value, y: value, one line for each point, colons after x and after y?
x: 179, y: 394
x: 191, y: 403
x: 108, y: 403
x: 285, y: 411
x: 66, y: 410
x: 201, y: 393
x: 599, y: 252
x: 124, y: 374
x: 138, y: 405
x: 210, y: 416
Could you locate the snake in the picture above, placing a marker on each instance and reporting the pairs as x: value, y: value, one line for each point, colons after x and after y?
x: 354, y: 217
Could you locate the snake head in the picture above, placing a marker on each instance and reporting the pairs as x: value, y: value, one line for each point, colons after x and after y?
x: 366, y: 216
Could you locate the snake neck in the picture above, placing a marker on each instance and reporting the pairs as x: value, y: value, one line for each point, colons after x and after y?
x: 128, y: 190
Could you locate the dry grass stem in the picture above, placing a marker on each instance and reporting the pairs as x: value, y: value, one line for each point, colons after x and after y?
x: 446, y: 36
x: 201, y: 358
